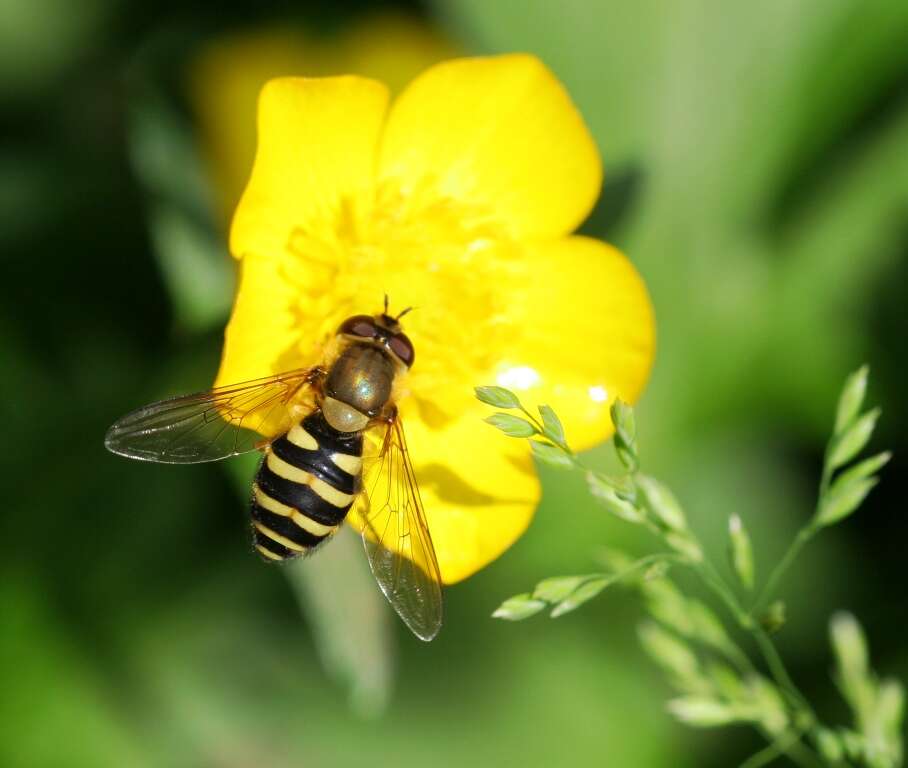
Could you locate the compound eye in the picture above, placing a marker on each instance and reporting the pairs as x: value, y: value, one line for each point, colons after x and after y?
x: 403, y: 348
x: 359, y: 325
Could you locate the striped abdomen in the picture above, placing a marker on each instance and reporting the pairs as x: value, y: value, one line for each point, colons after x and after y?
x: 304, y: 487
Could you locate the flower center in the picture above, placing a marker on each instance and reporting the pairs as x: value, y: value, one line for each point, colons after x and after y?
x: 443, y: 257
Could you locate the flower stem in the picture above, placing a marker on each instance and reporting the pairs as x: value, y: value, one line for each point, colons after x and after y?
x: 714, y: 581
x: 774, y: 662
x: 780, y: 673
x: 765, y: 756
x: 794, y: 549
x: 804, y: 535
x: 647, y: 560
x: 789, y: 745
x: 560, y: 444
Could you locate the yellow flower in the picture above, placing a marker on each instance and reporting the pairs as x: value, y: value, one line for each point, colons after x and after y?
x: 227, y: 75
x: 459, y: 200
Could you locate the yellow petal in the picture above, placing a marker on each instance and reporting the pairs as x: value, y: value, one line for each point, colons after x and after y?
x: 479, y: 489
x: 228, y: 74
x: 315, y: 161
x: 500, y: 133
x: 225, y: 81
x: 584, y: 334
x: 259, y: 339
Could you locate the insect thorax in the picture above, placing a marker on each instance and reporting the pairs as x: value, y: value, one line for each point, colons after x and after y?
x: 358, y: 386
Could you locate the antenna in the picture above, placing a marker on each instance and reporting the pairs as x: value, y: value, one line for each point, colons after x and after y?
x: 395, y: 319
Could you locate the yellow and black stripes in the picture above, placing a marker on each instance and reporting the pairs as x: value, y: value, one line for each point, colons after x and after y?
x: 304, y: 488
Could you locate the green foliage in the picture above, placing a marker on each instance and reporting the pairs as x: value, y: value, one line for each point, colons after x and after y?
x: 564, y: 594
x: 497, y: 397
x: 851, y: 441
x: 773, y: 618
x: 877, y: 706
x: 605, y: 493
x: 584, y: 592
x: 846, y: 492
x: 625, y: 438
x: 549, y: 454
x: 512, y: 426
x: 860, y: 471
x: 662, y: 506
x: 851, y: 399
x: 840, y: 494
x: 551, y: 425
x: 718, y: 682
x: 740, y: 552
x: 842, y: 501
x: 519, y: 607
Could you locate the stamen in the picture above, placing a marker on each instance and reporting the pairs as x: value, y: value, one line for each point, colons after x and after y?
x: 448, y: 257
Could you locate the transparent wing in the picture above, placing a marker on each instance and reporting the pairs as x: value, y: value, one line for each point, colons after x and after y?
x: 397, y: 538
x: 212, y: 425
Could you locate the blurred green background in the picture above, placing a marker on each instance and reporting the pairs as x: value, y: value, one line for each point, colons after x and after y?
x: 757, y: 174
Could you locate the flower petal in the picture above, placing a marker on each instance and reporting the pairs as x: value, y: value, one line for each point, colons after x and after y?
x: 500, y: 132
x: 315, y: 159
x: 226, y: 80
x: 259, y: 339
x: 478, y: 487
x: 584, y: 334
x: 228, y: 75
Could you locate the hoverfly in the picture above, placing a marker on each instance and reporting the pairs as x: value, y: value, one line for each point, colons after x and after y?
x: 316, y: 469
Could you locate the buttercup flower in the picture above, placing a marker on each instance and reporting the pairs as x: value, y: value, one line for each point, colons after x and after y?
x: 458, y: 199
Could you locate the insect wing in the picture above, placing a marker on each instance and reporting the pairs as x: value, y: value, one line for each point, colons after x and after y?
x: 208, y: 426
x: 397, y: 538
